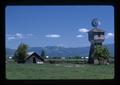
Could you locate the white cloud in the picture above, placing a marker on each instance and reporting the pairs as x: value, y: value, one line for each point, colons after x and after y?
x: 19, y: 35
x: 109, y: 35
x: 53, y: 36
x: 79, y: 36
x: 9, y: 35
x: 11, y: 38
x: 83, y: 30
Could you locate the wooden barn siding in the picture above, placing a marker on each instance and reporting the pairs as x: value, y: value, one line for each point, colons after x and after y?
x: 30, y: 60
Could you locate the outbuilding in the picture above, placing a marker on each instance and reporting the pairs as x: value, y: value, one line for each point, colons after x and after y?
x: 33, y: 57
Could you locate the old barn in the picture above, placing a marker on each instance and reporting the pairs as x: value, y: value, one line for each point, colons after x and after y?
x: 33, y: 57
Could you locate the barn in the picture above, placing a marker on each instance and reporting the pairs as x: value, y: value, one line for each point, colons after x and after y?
x: 33, y: 57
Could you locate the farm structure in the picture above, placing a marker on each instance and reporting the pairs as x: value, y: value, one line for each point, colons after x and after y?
x: 33, y: 57
x: 96, y: 37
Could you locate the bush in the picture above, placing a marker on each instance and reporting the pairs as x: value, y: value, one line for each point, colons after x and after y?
x: 101, y: 54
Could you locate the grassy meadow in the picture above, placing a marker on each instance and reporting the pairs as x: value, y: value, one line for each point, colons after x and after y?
x: 58, y: 71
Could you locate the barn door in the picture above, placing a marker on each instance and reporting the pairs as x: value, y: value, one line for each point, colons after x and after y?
x: 34, y: 60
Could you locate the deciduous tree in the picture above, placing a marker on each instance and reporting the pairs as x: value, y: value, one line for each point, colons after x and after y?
x: 101, y: 54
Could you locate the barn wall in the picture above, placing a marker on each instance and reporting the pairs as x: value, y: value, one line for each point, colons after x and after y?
x: 30, y: 60
x: 38, y: 60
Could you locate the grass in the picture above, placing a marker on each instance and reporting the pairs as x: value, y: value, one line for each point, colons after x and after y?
x: 59, y: 71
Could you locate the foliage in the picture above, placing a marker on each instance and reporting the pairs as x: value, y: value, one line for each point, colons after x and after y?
x: 20, y: 53
x: 101, y: 53
x: 55, y: 57
x: 67, y: 61
x: 76, y: 57
x: 43, y: 54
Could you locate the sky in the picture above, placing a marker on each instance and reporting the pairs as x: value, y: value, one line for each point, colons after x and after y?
x: 67, y: 26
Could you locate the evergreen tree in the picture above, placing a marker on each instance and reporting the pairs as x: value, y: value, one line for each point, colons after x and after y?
x: 20, y: 53
x: 43, y: 54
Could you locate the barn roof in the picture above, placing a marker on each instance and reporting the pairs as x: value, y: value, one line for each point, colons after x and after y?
x: 30, y: 54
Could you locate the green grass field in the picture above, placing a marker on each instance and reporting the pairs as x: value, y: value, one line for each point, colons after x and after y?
x: 59, y: 71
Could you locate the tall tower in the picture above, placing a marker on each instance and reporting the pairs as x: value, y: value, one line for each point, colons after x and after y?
x: 95, y: 37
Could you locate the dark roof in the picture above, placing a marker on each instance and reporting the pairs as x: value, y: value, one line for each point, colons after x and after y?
x: 96, y: 30
x: 30, y: 54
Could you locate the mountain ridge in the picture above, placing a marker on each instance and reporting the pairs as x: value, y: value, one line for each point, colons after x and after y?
x: 58, y: 51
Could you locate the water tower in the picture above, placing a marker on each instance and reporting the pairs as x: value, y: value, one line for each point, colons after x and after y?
x: 96, y: 37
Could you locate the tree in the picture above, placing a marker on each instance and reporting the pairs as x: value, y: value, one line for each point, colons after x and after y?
x: 43, y: 54
x: 101, y: 54
x: 20, y: 53
x: 76, y: 57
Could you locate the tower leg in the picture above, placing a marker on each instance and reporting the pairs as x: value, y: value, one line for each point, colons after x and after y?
x: 90, y: 59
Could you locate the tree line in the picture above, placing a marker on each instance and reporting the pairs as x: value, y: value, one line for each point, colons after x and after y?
x: 100, y: 53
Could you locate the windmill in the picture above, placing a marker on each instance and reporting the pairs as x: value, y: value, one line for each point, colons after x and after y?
x: 95, y: 37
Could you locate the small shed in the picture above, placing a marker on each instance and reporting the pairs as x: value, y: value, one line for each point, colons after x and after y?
x: 33, y: 57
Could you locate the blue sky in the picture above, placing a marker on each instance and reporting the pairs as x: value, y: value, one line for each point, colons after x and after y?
x: 67, y: 26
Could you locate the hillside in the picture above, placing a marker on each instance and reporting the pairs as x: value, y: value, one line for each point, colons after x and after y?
x: 62, y: 51
x: 9, y: 51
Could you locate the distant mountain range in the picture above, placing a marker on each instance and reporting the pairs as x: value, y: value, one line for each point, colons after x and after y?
x: 55, y: 51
